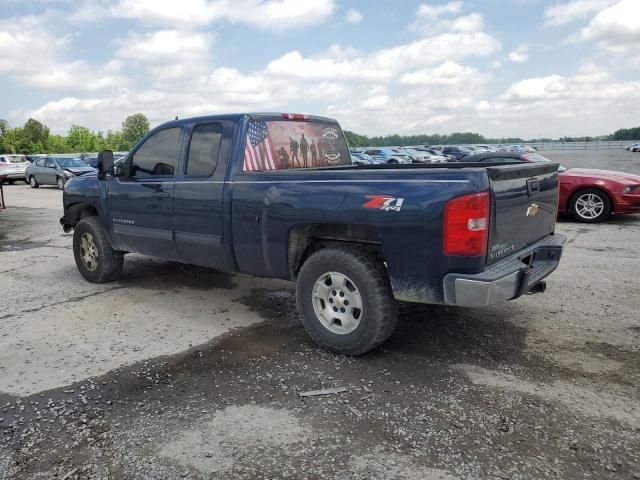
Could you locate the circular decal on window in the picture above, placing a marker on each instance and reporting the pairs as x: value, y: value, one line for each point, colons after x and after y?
x: 330, y: 136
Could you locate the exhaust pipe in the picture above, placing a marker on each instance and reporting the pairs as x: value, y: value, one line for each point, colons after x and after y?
x: 539, y: 287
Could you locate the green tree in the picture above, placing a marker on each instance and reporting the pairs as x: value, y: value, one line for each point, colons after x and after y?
x: 57, y: 144
x: 81, y: 139
x: 134, y: 128
x: 35, y: 132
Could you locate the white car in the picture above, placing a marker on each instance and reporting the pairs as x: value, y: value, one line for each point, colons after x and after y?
x: 633, y: 147
x: 13, y: 167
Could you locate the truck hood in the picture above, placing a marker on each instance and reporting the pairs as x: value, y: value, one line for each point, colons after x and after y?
x: 620, y: 177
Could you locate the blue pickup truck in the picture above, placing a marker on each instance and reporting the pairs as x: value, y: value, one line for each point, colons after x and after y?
x: 276, y: 195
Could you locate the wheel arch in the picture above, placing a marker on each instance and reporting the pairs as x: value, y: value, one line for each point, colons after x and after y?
x: 306, y: 239
x: 78, y: 211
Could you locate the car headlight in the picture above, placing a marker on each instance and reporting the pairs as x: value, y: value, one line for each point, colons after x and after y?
x: 630, y: 188
x: 67, y: 174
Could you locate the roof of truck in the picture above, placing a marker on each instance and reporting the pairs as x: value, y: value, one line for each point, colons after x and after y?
x: 234, y: 117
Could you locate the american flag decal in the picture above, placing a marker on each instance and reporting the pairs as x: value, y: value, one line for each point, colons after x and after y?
x: 258, y: 151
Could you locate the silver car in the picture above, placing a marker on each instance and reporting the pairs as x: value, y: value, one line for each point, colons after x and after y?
x: 56, y: 171
x: 13, y: 167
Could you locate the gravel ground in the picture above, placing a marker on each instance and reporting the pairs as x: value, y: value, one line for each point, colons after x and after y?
x: 181, y: 372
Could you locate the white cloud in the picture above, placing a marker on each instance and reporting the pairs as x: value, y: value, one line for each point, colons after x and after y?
x: 617, y: 28
x: 520, y: 54
x: 30, y: 53
x: 269, y: 14
x: 567, y: 12
x: 387, y: 63
x: 165, y: 46
x: 474, y: 22
x: 431, y: 12
x: 448, y: 73
x: 353, y: 16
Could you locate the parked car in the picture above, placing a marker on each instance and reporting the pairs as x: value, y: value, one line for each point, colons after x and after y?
x: 421, y: 156
x: 632, y: 147
x: 457, y: 153
x: 589, y: 195
x: 56, y: 171
x: 636, y: 148
x: 355, y: 239
x: 359, y: 158
x: 389, y: 155
x: 13, y: 167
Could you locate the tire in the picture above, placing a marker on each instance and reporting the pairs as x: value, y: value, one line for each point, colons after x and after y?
x: 95, y: 259
x: 33, y: 182
x: 60, y: 183
x: 393, y: 160
x: 590, y: 205
x: 356, y: 332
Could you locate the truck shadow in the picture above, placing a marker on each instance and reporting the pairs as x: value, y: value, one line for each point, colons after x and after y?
x: 161, y: 275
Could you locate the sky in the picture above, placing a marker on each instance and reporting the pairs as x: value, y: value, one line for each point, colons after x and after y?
x: 502, y: 68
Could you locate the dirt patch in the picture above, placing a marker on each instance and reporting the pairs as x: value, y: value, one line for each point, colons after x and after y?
x: 216, y: 443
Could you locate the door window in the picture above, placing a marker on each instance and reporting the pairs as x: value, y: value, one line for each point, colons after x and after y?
x: 204, y: 149
x: 41, y: 162
x: 51, y: 163
x: 157, y: 156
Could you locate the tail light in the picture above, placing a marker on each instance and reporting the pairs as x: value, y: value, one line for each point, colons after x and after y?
x: 466, y: 225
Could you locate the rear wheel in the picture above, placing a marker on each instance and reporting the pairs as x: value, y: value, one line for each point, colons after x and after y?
x: 33, y: 182
x: 393, y: 160
x: 60, y: 183
x: 95, y: 259
x: 345, y: 300
x: 590, y: 205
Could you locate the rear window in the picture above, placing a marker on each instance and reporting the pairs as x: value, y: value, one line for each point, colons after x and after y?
x: 286, y: 144
x: 15, y: 159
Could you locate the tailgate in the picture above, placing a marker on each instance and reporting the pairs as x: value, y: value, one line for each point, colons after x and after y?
x: 524, y: 206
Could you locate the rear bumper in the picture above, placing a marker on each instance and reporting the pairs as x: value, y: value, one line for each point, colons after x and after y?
x: 14, y: 176
x: 507, y: 279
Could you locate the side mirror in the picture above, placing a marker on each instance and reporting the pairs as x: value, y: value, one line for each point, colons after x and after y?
x: 105, y: 163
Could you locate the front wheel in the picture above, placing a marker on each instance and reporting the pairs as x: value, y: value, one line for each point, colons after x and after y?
x: 590, y: 205
x: 60, y: 182
x: 95, y: 259
x: 345, y: 300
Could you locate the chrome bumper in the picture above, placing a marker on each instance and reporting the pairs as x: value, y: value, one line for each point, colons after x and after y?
x: 507, y: 279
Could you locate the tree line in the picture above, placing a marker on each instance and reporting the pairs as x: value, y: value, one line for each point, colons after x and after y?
x: 34, y: 137
x: 461, y: 138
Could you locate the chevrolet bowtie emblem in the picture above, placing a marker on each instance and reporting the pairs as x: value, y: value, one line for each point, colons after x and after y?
x: 532, y: 211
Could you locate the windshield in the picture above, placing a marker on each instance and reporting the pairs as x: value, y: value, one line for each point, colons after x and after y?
x: 71, y: 162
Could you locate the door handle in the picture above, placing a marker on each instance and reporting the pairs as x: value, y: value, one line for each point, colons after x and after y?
x: 161, y: 195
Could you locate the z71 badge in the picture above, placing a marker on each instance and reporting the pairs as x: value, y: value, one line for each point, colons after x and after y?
x: 384, y: 203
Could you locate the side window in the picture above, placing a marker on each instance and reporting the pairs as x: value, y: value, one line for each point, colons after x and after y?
x: 51, y: 163
x: 158, y: 155
x: 204, y: 149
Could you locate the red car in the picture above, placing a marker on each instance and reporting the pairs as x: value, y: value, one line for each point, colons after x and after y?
x: 588, y: 195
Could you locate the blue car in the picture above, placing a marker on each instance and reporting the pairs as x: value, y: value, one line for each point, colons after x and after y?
x: 388, y: 155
